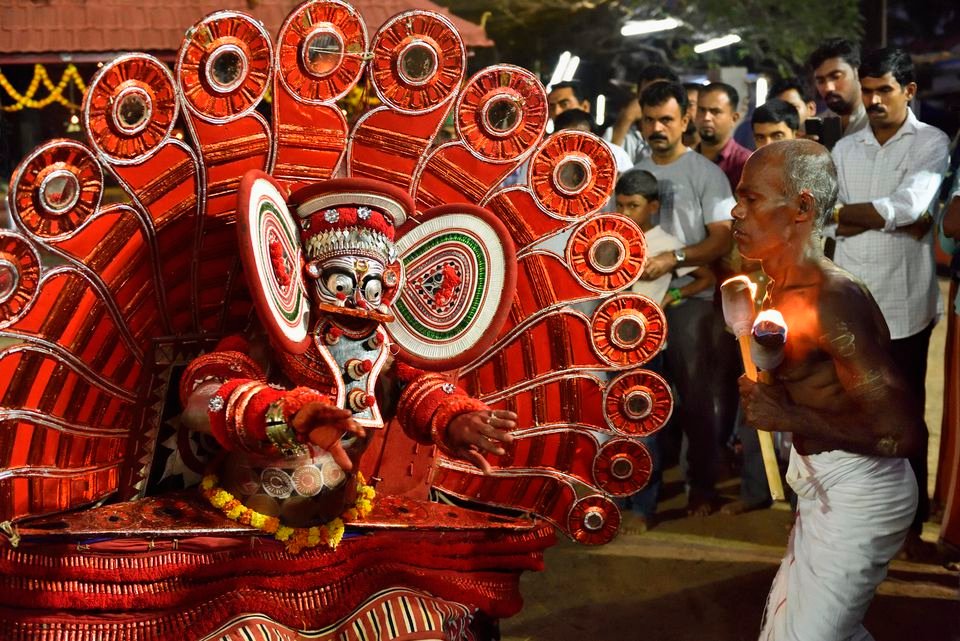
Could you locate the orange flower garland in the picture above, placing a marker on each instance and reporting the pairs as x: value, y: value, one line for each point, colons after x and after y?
x: 295, y: 539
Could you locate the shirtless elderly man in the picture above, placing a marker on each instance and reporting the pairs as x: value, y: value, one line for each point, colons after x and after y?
x: 853, y: 419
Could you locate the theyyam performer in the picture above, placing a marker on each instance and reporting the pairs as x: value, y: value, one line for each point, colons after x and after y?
x: 314, y: 377
x: 853, y: 419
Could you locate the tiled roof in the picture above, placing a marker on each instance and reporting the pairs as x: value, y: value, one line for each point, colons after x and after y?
x: 86, y: 26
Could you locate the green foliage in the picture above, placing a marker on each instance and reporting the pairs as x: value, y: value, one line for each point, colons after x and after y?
x: 777, y: 36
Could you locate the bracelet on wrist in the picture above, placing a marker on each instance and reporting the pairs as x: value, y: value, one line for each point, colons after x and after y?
x: 675, y: 294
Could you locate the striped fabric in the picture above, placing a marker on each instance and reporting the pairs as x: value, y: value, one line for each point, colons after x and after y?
x: 395, y: 613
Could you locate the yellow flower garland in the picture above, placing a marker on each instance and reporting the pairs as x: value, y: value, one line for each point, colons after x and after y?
x: 56, y: 92
x: 295, y: 539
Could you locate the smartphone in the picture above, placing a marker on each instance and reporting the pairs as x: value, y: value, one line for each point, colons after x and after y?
x: 832, y: 132
x: 827, y: 130
x: 813, y: 128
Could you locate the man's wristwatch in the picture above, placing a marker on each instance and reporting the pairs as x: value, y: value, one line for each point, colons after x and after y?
x: 680, y: 255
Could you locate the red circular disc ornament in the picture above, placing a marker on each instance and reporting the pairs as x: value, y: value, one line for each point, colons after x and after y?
x: 418, y: 61
x: 19, y: 277
x: 321, y: 51
x: 622, y: 467
x: 130, y: 108
x: 56, y: 188
x: 224, y: 66
x: 593, y: 520
x: 572, y: 174
x: 606, y: 252
x: 628, y: 330
x: 502, y: 113
x: 638, y: 403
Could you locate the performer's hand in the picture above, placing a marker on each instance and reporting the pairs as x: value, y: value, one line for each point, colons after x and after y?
x: 763, y: 405
x: 470, y: 435
x: 324, y: 425
x: 659, y: 265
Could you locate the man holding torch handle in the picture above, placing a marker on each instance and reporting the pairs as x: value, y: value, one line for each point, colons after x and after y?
x: 853, y: 418
x: 737, y: 296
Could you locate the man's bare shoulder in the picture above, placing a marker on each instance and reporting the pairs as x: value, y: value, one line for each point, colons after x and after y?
x: 845, y: 302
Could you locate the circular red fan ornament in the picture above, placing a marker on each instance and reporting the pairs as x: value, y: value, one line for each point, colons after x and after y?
x: 593, y: 520
x: 225, y: 63
x: 418, y: 62
x: 130, y: 108
x: 19, y: 277
x: 502, y: 113
x: 638, y: 403
x: 572, y: 174
x: 606, y: 252
x: 622, y: 467
x: 56, y: 188
x: 628, y: 330
x: 321, y: 51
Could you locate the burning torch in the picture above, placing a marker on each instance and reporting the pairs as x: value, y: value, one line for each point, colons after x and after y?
x: 762, y: 338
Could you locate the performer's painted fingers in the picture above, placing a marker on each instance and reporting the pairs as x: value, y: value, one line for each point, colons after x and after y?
x: 501, y: 436
x: 340, y: 457
x: 502, y: 421
x: 314, y: 414
x: 489, y: 444
x: 477, y: 459
x: 328, y: 438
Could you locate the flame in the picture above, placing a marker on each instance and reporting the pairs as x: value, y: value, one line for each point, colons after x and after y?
x: 770, y: 327
x: 742, y: 281
x: 771, y: 316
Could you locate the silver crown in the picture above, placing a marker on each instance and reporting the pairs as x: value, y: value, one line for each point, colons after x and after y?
x: 353, y: 241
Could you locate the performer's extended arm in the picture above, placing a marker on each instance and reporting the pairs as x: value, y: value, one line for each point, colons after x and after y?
x: 434, y: 411
x: 876, y: 415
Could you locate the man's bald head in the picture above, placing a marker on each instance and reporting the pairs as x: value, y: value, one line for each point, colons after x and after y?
x: 806, y: 166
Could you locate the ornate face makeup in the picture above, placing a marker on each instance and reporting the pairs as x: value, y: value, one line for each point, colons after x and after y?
x: 352, y: 265
x: 348, y: 281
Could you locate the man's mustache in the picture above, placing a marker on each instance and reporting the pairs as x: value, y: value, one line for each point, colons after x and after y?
x: 876, y: 109
x: 656, y: 137
x: 832, y: 96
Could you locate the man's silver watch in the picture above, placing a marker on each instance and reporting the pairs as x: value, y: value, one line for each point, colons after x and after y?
x: 680, y: 255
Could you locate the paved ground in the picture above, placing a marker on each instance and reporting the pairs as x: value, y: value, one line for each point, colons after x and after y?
x: 706, y: 579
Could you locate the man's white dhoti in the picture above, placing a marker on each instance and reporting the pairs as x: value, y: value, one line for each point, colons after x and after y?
x: 853, y: 514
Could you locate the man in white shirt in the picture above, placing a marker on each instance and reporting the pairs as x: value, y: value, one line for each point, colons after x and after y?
x: 695, y: 206
x: 889, y: 173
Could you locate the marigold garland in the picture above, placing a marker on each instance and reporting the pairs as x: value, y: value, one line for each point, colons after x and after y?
x: 40, y: 76
x: 295, y: 539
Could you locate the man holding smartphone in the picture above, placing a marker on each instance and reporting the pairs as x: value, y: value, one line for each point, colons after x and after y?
x: 834, y: 66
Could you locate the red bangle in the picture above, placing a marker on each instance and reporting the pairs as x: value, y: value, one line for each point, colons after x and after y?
x: 255, y: 414
x: 216, y: 366
x: 236, y: 403
x: 295, y: 399
x: 217, y: 412
x: 414, y: 394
